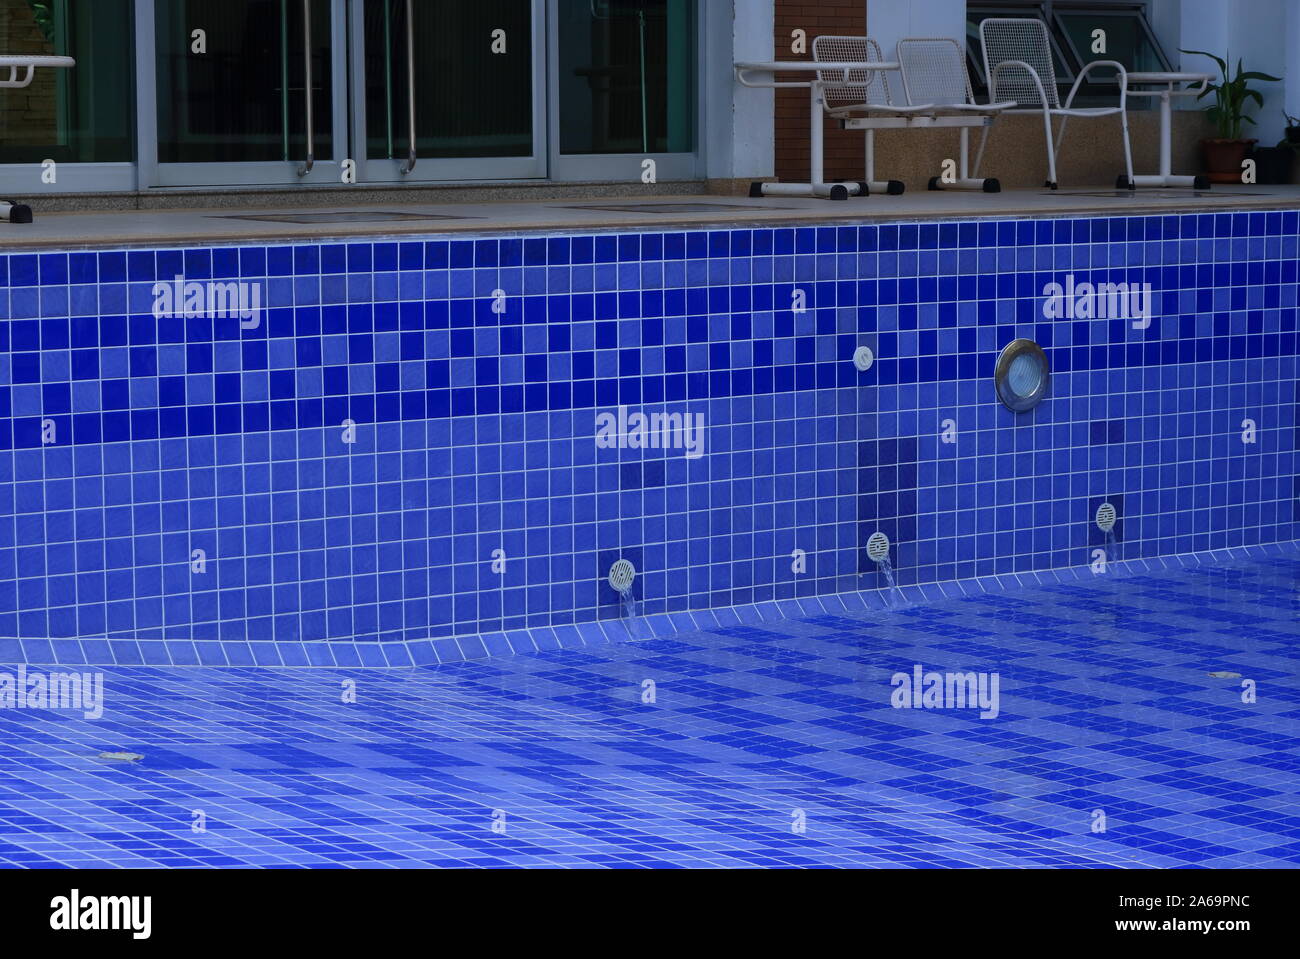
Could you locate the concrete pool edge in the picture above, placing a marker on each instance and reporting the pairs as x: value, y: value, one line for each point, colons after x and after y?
x: 332, y: 654
x: 219, y: 227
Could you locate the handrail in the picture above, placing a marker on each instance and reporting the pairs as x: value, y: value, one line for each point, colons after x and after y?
x: 308, y: 81
x: 845, y: 67
x: 29, y: 65
x: 410, y: 88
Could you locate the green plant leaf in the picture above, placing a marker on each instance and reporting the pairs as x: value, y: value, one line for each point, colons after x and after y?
x: 1231, y: 95
x: 1223, y: 66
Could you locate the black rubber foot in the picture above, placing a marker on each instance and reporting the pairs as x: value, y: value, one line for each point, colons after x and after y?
x: 1201, y: 183
x: 864, y: 189
x: 992, y: 185
x: 20, y: 213
x: 839, y: 192
x: 1121, y: 183
x: 755, y: 190
x: 895, y: 188
x: 934, y: 184
x: 1049, y: 185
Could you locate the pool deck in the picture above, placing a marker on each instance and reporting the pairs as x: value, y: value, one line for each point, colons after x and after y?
x: 224, y: 226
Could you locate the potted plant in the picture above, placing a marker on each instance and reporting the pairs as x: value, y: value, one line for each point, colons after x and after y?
x: 1292, y: 129
x: 1224, y: 154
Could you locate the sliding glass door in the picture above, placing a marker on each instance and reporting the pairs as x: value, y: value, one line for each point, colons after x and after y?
x: 245, y: 91
x: 290, y: 93
x: 450, y: 90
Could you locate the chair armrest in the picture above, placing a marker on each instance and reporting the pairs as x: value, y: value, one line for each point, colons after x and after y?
x: 1038, y: 81
x: 746, y: 80
x: 1119, y: 69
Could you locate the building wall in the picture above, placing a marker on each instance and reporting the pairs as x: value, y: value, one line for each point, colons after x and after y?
x: 844, y: 151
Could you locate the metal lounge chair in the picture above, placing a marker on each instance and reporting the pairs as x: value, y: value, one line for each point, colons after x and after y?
x: 1018, y: 57
x: 934, y: 72
x: 862, y: 100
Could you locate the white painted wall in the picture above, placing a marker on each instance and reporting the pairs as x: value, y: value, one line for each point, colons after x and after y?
x: 1263, y: 33
x: 889, y: 21
x: 738, y: 121
x: 1292, y: 44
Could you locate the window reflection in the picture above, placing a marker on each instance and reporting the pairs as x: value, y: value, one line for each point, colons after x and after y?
x: 626, y: 76
x: 81, y: 115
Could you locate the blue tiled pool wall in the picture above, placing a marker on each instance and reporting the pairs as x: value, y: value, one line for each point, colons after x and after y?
x: 474, y: 429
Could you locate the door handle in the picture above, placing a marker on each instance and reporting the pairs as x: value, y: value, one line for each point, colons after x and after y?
x: 311, y: 113
x: 410, y: 88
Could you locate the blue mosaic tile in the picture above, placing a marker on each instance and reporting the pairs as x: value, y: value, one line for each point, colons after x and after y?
x: 342, y: 464
x: 567, y: 758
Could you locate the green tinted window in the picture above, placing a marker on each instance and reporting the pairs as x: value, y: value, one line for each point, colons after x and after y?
x: 81, y: 115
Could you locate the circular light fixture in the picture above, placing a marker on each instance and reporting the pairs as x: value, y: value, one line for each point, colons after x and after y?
x: 1022, y: 375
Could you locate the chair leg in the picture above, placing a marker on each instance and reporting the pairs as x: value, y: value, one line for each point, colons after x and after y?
x: 964, y: 179
x: 871, y: 184
x: 1051, y: 183
x: 1128, y: 149
x: 1060, y: 134
x: 979, y: 156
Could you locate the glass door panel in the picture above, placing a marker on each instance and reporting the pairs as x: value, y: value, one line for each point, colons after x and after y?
x: 625, y: 76
x: 232, y: 84
x: 82, y: 115
x: 470, y: 69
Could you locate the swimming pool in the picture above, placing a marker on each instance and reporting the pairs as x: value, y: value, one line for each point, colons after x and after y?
x: 387, y: 452
x: 443, y: 453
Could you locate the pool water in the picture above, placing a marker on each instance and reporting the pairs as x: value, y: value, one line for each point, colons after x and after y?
x: 770, y: 744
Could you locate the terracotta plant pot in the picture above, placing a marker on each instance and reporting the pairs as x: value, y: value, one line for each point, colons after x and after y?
x: 1223, y: 159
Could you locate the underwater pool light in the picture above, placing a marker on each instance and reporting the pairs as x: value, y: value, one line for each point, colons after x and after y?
x: 1022, y: 375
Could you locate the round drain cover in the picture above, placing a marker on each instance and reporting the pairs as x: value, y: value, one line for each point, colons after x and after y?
x: 1106, y: 517
x: 878, y: 547
x: 621, y: 575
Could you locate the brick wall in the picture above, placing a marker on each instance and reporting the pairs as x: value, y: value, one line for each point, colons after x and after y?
x: 844, y: 157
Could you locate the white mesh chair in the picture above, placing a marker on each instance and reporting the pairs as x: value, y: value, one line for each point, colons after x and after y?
x: 1018, y: 57
x: 934, y: 72
x: 861, y: 100
x: 11, y: 210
